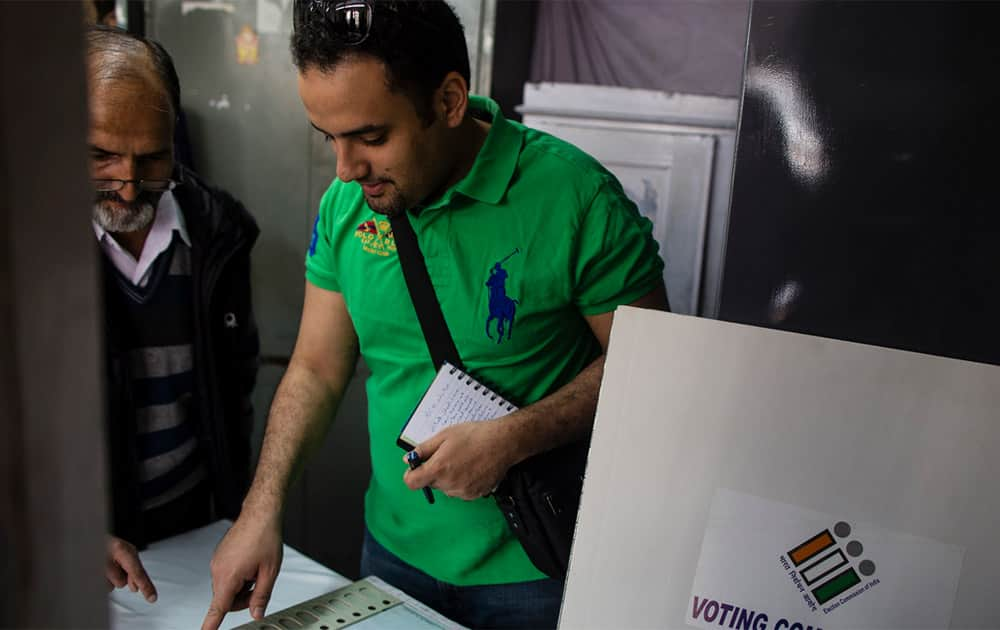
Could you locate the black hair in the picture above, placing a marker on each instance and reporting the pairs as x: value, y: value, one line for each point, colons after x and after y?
x: 117, y: 47
x: 104, y: 7
x: 418, y: 41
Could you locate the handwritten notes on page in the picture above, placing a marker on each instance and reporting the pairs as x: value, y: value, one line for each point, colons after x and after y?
x: 452, y: 397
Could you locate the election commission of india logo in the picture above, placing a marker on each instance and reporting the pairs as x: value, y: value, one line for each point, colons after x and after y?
x: 829, y: 569
x: 376, y: 237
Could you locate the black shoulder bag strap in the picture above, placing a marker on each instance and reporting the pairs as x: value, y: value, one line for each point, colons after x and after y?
x: 425, y: 302
x: 540, y: 496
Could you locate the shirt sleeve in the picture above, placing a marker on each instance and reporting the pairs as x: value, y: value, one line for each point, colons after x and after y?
x: 617, y: 258
x: 320, y: 265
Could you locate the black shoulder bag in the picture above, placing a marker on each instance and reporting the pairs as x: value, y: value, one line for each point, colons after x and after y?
x: 540, y: 496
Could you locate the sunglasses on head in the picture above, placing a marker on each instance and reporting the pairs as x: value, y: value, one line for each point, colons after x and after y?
x: 351, y: 21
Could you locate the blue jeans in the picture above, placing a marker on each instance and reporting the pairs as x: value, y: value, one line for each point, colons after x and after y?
x: 533, y: 605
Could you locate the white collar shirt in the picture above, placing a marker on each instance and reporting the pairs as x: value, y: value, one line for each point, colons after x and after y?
x: 168, y: 220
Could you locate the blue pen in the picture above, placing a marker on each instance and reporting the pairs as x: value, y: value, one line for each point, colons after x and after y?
x: 413, y: 459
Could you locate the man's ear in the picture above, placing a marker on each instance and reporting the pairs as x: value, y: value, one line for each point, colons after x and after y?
x: 452, y: 99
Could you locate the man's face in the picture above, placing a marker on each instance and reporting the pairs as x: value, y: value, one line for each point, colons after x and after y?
x: 131, y: 137
x: 379, y: 139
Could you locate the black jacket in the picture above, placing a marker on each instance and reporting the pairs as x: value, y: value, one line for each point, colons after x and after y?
x: 226, y: 352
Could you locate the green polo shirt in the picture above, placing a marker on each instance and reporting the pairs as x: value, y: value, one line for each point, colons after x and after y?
x: 537, y: 235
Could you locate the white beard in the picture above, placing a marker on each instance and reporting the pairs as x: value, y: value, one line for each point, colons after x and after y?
x: 117, y: 219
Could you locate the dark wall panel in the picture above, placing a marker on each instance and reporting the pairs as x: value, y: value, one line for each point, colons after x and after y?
x: 52, y: 475
x: 864, y: 204
x: 512, y: 46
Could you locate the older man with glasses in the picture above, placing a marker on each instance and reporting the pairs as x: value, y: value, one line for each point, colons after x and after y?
x: 181, y: 340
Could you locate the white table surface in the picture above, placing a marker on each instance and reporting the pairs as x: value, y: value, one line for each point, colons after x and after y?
x: 178, y: 567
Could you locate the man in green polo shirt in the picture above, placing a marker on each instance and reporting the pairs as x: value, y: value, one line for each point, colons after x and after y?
x: 530, y: 245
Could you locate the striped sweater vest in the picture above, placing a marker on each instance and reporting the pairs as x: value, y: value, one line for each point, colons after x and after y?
x: 155, y: 325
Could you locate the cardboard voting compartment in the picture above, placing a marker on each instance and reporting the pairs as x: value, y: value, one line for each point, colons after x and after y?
x: 747, y: 478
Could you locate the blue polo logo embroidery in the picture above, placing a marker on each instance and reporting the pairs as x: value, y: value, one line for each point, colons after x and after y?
x: 502, y: 307
x: 376, y: 237
x: 315, y: 237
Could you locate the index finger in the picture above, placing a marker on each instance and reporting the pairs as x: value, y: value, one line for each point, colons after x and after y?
x: 426, y: 449
x: 222, y: 600
x: 137, y: 575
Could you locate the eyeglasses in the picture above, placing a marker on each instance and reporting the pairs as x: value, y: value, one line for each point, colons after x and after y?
x: 351, y: 21
x: 145, y: 185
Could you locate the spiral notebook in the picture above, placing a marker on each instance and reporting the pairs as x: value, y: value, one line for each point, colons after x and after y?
x: 453, y: 397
